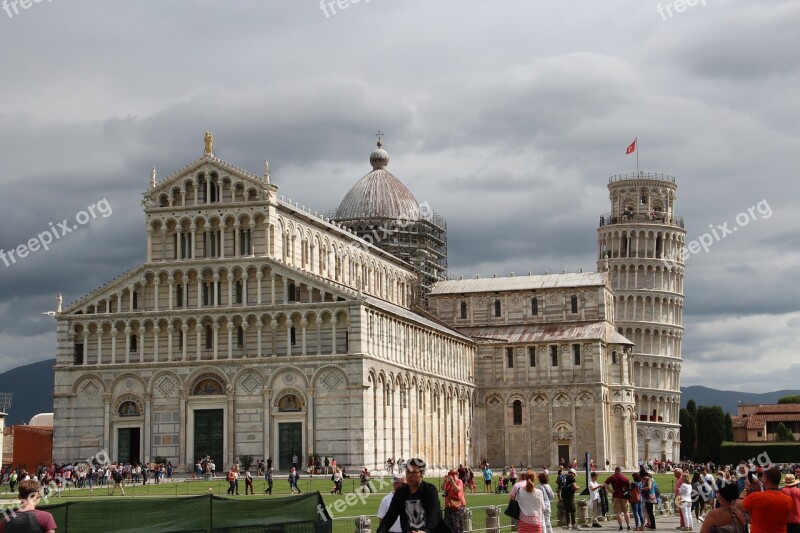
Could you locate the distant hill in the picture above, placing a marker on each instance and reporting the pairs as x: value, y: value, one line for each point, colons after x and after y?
x: 729, y: 399
x: 33, y: 387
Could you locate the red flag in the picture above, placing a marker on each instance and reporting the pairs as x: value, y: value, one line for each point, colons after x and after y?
x: 631, y: 148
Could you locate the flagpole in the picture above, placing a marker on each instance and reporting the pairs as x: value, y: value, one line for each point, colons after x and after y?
x: 636, y: 140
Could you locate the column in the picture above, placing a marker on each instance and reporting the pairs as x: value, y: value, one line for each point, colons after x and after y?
x: 119, y: 302
x: 148, y: 400
x: 216, y: 290
x: 230, y: 416
x: 230, y: 290
x: 310, y: 424
x: 229, y: 327
x: 163, y: 243
x: 260, y: 327
x: 244, y: 288
x: 156, y: 283
x: 303, y: 324
x: 169, y: 343
x: 245, y: 326
x: 236, y: 239
x: 259, y: 275
x: 196, y: 186
x: 156, y: 331
x: 199, y: 293
x: 266, y: 239
x: 267, y: 398
x: 215, y: 337
x: 273, y: 325
x: 100, y: 345
x: 272, y: 288
x: 182, y: 448
x: 107, y: 421
x: 222, y: 240
x: 185, y: 330
x: 85, y: 347
x: 198, y: 331
x: 171, y: 292
x: 333, y: 334
x: 127, y: 345
x: 113, y: 344
x: 319, y: 335
x: 288, y: 337
x: 149, y: 245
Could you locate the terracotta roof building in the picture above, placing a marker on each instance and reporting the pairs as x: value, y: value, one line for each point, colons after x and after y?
x: 759, y: 422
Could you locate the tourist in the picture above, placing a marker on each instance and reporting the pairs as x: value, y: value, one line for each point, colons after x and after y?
x: 231, y: 481
x: 531, y: 504
x: 512, y: 476
x: 685, y: 503
x: 547, y: 496
x: 366, y: 486
x: 248, y: 482
x: 386, y: 502
x: 636, y: 501
x: 769, y: 508
x: 268, y: 479
x: 487, y: 478
x: 649, y: 498
x: 618, y: 485
x: 594, y: 499
x: 678, y: 473
x: 416, y: 503
x: 293, y: 478
x: 568, y: 497
x: 28, y: 517
x: 338, y: 481
x: 454, y: 501
x: 116, y: 474
x: 727, y: 518
x: 790, y: 488
x: 697, y: 500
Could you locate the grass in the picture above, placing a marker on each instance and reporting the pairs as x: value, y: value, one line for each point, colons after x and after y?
x: 350, y: 506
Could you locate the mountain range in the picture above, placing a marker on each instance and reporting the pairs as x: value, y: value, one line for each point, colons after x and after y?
x: 32, y: 386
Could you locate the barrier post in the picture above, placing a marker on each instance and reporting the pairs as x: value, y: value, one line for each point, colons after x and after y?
x: 492, y: 519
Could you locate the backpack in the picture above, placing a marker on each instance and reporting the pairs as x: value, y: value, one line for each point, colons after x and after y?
x: 24, y: 522
x: 117, y: 476
x: 231, y: 477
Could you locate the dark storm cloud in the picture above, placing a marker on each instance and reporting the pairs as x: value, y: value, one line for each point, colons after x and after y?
x: 507, y: 120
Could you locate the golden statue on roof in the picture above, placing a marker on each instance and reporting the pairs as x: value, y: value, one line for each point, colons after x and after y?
x: 209, y: 144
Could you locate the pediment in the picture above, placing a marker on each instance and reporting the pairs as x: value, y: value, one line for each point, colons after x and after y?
x: 206, y: 164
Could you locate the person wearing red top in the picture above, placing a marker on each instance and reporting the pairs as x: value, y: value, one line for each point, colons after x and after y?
x: 29, y: 495
x: 790, y: 488
x: 455, y: 502
x: 619, y: 484
x: 769, y: 508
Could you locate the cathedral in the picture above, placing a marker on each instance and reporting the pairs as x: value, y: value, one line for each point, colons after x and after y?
x: 256, y: 326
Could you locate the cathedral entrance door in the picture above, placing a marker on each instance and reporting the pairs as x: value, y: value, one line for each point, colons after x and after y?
x: 209, y: 436
x: 128, y: 449
x: 290, y: 442
x: 563, y: 455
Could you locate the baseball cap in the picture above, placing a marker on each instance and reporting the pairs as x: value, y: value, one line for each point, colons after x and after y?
x: 572, y: 471
x: 398, y: 477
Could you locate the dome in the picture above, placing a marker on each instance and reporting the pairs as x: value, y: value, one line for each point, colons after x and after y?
x: 378, y: 194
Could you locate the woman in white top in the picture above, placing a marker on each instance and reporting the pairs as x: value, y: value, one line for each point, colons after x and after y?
x: 531, y: 505
x: 548, y: 495
x: 685, y: 492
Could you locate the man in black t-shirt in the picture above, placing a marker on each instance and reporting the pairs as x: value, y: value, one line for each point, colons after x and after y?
x: 568, y: 497
x: 416, y: 503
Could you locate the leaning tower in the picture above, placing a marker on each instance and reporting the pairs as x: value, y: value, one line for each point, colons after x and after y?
x: 640, y: 244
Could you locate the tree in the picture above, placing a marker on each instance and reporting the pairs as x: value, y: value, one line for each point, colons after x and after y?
x: 728, y: 427
x: 783, y: 434
x: 789, y: 399
x: 691, y: 406
x: 710, y: 423
x: 245, y: 461
x: 688, y: 434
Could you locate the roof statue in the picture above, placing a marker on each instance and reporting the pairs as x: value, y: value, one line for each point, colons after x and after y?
x: 153, y: 178
x: 266, y: 171
x: 53, y: 314
x: 209, y: 144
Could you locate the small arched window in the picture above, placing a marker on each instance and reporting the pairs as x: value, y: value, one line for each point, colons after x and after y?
x: 517, y: 409
x: 134, y: 343
x: 463, y: 310
x: 497, y: 308
x: 292, y: 292
x: 240, y: 336
x: 574, y: 302
x: 534, y: 306
x: 613, y: 358
x: 209, y: 338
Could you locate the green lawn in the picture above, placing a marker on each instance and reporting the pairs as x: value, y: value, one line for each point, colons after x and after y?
x: 351, y: 504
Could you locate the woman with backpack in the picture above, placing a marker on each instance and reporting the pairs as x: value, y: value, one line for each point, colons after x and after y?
x: 636, y: 502
x: 648, y: 496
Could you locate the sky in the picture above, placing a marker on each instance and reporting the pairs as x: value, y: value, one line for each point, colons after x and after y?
x: 506, y: 117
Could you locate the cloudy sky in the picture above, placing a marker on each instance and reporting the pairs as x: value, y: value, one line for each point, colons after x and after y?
x: 507, y: 117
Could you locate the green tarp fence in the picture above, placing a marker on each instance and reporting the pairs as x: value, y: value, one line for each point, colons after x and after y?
x: 200, y: 514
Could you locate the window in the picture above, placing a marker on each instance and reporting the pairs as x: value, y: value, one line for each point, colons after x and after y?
x: 574, y: 301
x: 78, y: 355
x: 510, y: 357
x: 463, y: 310
x: 613, y: 358
x: 534, y: 306
x: 576, y: 352
x: 292, y: 292
x: 206, y: 294
x: 240, y: 337
x: 293, y: 335
x: 497, y: 309
x: 135, y: 297
x: 517, y: 408
x: 134, y: 342
x: 554, y: 355
x: 239, y: 291
x: 179, y: 295
x: 209, y: 338
x: 760, y: 434
x: 346, y: 342
x: 532, y: 356
x: 180, y: 339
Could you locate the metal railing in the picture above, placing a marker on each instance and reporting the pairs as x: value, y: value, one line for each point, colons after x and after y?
x: 641, y: 176
x: 641, y: 218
